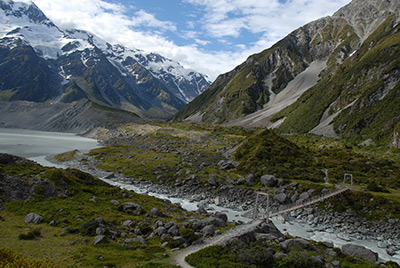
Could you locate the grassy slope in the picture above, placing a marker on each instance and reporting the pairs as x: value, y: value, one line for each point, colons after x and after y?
x: 305, y: 113
x: 376, y: 64
x: 242, y: 91
x: 358, y: 79
x: 295, y: 158
x: 158, y: 153
x: 55, y: 246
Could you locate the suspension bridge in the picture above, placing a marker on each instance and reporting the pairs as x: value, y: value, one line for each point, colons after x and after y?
x: 283, y: 209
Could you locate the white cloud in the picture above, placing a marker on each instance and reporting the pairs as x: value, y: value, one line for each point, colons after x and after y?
x: 228, y: 17
x: 220, y: 20
x: 142, y: 18
x: 202, y: 42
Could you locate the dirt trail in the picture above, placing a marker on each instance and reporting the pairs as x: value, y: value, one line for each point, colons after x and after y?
x: 216, y: 240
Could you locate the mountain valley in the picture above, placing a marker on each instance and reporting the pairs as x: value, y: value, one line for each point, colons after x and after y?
x: 187, y: 173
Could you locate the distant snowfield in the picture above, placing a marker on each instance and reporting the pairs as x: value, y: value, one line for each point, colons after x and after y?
x: 300, y: 84
x: 25, y: 22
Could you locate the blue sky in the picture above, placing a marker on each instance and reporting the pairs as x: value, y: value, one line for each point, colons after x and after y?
x: 209, y: 36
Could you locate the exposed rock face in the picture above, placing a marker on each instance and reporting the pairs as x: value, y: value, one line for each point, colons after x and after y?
x: 360, y: 251
x: 43, y: 63
x: 298, y: 86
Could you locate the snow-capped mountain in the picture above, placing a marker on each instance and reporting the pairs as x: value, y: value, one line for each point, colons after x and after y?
x: 41, y: 62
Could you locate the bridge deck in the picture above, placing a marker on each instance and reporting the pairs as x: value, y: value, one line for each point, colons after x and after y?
x: 311, y: 202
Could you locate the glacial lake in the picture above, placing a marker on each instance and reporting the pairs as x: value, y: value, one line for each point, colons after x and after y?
x: 37, y: 145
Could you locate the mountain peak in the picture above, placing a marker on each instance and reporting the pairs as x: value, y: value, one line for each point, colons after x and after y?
x: 74, y: 64
x: 336, y: 76
x: 28, y: 10
x: 366, y: 15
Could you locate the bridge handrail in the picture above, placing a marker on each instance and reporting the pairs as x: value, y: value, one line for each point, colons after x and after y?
x: 315, y: 199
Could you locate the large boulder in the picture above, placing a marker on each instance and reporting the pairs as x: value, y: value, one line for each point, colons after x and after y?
x: 33, y: 218
x: 140, y: 239
x: 208, y: 230
x: 281, y: 198
x: 160, y: 231
x: 304, y: 196
x: 99, y: 239
x: 251, y: 180
x: 132, y: 207
x: 128, y: 223
x: 359, y: 251
x: 221, y: 215
x: 173, y: 231
x: 268, y: 180
x: 214, y: 221
x: 156, y: 212
x: 212, y: 181
x: 269, y: 228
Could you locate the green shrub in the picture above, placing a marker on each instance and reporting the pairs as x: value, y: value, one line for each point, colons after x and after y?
x: 258, y: 256
x: 9, y: 258
x: 215, y: 257
x: 89, y: 228
x: 30, y: 235
x: 373, y: 187
x: 297, y: 259
x: 188, y: 234
x: 172, y: 243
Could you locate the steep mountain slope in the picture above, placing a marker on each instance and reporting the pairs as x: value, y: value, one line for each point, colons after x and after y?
x: 327, y: 70
x: 75, y: 117
x: 42, y: 63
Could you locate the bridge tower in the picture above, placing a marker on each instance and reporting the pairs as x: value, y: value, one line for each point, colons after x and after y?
x: 350, y: 177
x: 257, y: 205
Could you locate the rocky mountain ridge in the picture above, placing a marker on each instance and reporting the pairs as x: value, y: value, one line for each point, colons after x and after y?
x: 297, y: 84
x: 43, y: 63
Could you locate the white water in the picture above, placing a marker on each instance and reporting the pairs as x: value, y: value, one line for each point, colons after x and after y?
x: 294, y: 228
x: 233, y: 215
x: 300, y: 229
x: 38, y: 145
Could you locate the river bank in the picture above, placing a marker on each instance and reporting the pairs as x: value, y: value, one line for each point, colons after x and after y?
x: 309, y: 223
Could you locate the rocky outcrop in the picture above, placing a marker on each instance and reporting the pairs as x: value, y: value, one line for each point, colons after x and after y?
x: 8, y: 159
x: 33, y: 218
x: 14, y: 188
